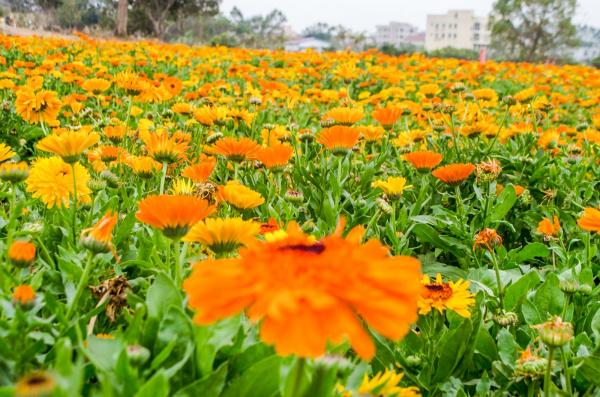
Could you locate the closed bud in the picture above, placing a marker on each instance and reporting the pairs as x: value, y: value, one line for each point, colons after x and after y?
x: 506, y: 319
x: 97, y: 185
x: 111, y: 179
x: 138, y: 355
x: 469, y: 97
x: 569, y: 286
x: 585, y: 289
x: 509, y: 100
x: 383, y: 205
x: 413, y: 361
x: 212, y: 138
x: 294, y: 196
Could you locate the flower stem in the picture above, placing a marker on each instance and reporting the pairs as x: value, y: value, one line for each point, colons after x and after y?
x: 548, y: 374
x: 82, y: 284
x: 11, y: 218
x: 459, y: 205
x: 74, y: 207
x: 177, y: 265
x: 566, y: 370
x: 498, y: 280
x: 162, y: 178
x: 297, y: 388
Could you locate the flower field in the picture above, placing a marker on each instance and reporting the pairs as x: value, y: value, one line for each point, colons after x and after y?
x: 189, y: 221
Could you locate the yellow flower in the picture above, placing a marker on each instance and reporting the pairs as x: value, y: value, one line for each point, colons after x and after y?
x: 183, y: 186
x: 37, y: 107
x: 441, y: 296
x: 69, y: 145
x: 393, y: 186
x: 51, y: 180
x: 223, y: 234
x: 6, y: 152
x: 240, y: 196
x: 386, y: 384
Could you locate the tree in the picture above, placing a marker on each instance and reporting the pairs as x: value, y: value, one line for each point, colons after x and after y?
x: 258, y: 30
x: 158, y: 12
x: 532, y: 30
x: 121, y: 23
x: 319, y: 30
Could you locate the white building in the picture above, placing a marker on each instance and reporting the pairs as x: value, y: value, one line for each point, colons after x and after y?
x: 394, y: 33
x: 305, y: 43
x: 458, y: 29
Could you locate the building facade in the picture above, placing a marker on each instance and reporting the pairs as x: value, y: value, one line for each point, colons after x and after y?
x: 394, y: 33
x: 458, y: 29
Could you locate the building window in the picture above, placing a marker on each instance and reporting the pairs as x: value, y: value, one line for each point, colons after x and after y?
x: 476, y: 37
x: 476, y: 26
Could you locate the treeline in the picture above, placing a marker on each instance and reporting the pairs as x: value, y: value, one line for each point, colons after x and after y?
x: 181, y: 20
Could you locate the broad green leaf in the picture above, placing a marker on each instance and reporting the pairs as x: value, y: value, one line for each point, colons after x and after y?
x: 515, y: 293
x: 507, y: 347
x: 262, y: 379
x: 209, y: 386
x: 157, y: 386
x: 504, y: 203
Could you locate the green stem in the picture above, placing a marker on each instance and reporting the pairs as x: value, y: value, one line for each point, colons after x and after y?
x: 177, y: 270
x: 459, y: 206
x: 565, y: 306
x: 74, y: 208
x: 11, y: 218
x: 548, y: 374
x: 566, y: 370
x: 163, y: 177
x: 498, y: 280
x: 297, y: 389
x: 588, y: 251
x: 82, y: 284
x: 487, y: 203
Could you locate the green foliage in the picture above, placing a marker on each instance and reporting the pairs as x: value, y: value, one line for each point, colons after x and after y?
x: 533, y: 30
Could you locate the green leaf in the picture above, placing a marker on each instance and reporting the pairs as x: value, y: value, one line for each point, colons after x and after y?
x: 530, y: 251
x: 590, y: 369
x: 450, y: 349
x: 157, y: 386
x: 209, y: 386
x: 507, y: 346
x: 515, y: 293
x: 162, y: 294
x: 262, y: 379
x: 504, y: 203
x: 427, y: 234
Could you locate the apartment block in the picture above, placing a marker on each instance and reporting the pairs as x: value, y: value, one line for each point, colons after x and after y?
x: 394, y: 33
x: 458, y: 29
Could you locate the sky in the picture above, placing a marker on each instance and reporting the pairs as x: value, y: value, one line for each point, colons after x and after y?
x: 363, y: 15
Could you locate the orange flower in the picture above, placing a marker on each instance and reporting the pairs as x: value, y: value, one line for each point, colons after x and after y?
x: 453, y: 174
x: 24, y: 295
x: 424, y: 160
x: 339, y: 139
x: 275, y: 157
x: 387, y: 116
x: 344, y: 116
x: 115, y: 133
x: 37, y: 107
x: 173, y: 215
x: 21, y: 253
x: 590, y: 220
x: 98, y: 237
x: 306, y: 293
x: 235, y: 149
x: 488, y: 239
x: 549, y: 228
x: 200, y: 171
x: 172, y: 85
x: 162, y: 147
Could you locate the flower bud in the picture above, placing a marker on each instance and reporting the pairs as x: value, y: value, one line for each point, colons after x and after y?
x: 294, y: 196
x: 506, y: 319
x: 111, y: 179
x: 585, y: 289
x: 24, y: 297
x: 413, y: 361
x: 138, y: 355
x: 555, y: 333
x: 509, y: 100
x: 21, y: 253
x: 212, y: 138
x: 569, y: 286
x: 383, y: 205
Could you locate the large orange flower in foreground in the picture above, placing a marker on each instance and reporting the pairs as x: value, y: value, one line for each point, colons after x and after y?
x: 69, y: 145
x: 590, y: 220
x: 37, y: 107
x: 453, y: 174
x: 173, y: 215
x: 306, y: 293
x: 387, y: 116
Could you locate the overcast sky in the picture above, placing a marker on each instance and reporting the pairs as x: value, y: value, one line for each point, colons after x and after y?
x: 363, y: 15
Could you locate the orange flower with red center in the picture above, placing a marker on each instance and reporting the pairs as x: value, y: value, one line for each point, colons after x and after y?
x: 339, y: 139
x: 305, y: 293
x: 590, y: 220
x: 98, y: 237
x: 276, y: 156
x: 200, y: 172
x: 549, y: 228
x: 387, y: 116
x: 488, y: 239
x: 424, y: 160
x: 173, y: 215
x: 453, y: 174
x: 21, y: 253
x: 235, y: 149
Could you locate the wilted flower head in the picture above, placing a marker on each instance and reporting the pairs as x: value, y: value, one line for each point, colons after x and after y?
x: 488, y: 239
